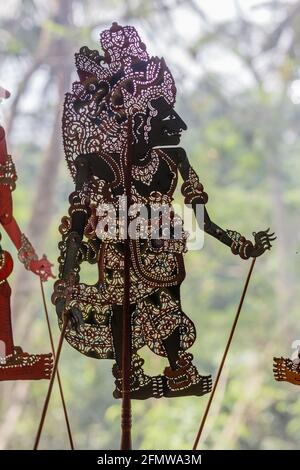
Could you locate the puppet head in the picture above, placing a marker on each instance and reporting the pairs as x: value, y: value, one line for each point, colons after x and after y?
x: 121, y: 85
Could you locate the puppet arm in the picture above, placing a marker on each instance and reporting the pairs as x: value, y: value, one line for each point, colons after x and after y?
x: 26, y: 252
x: 195, y: 196
x: 72, y: 229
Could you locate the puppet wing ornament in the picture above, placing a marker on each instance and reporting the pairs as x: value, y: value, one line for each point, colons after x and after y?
x: 14, y: 363
x: 121, y: 136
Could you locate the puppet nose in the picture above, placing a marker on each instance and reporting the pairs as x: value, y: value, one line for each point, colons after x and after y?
x: 4, y: 93
x: 180, y: 121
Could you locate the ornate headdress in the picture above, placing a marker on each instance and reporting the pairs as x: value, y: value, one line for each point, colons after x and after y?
x: 112, y: 88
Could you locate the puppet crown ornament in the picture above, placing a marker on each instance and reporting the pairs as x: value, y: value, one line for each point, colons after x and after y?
x: 112, y: 89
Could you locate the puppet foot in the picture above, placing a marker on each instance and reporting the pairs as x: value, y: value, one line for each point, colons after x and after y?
x: 186, y: 380
x: 286, y: 370
x: 24, y: 366
x: 142, y: 386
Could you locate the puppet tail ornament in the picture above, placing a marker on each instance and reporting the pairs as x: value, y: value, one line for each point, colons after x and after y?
x: 203, y: 421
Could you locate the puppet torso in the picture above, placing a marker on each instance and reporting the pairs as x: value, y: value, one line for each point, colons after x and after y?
x: 152, y: 182
x: 155, y: 262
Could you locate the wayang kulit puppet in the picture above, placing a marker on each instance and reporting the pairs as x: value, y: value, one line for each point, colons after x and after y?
x: 15, y: 364
x: 121, y: 136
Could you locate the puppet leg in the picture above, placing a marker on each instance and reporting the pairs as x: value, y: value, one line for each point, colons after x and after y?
x: 15, y: 364
x: 142, y: 386
x: 184, y: 379
x: 182, y: 376
x: 6, y: 335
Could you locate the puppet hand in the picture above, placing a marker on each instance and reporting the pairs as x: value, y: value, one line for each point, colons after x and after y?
x: 74, y: 314
x: 41, y: 267
x: 263, y: 241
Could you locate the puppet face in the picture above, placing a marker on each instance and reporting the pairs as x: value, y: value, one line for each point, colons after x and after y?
x: 162, y: 127
x: 166, y: 126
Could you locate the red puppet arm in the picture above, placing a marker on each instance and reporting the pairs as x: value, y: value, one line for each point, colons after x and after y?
x: 26, y: 252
